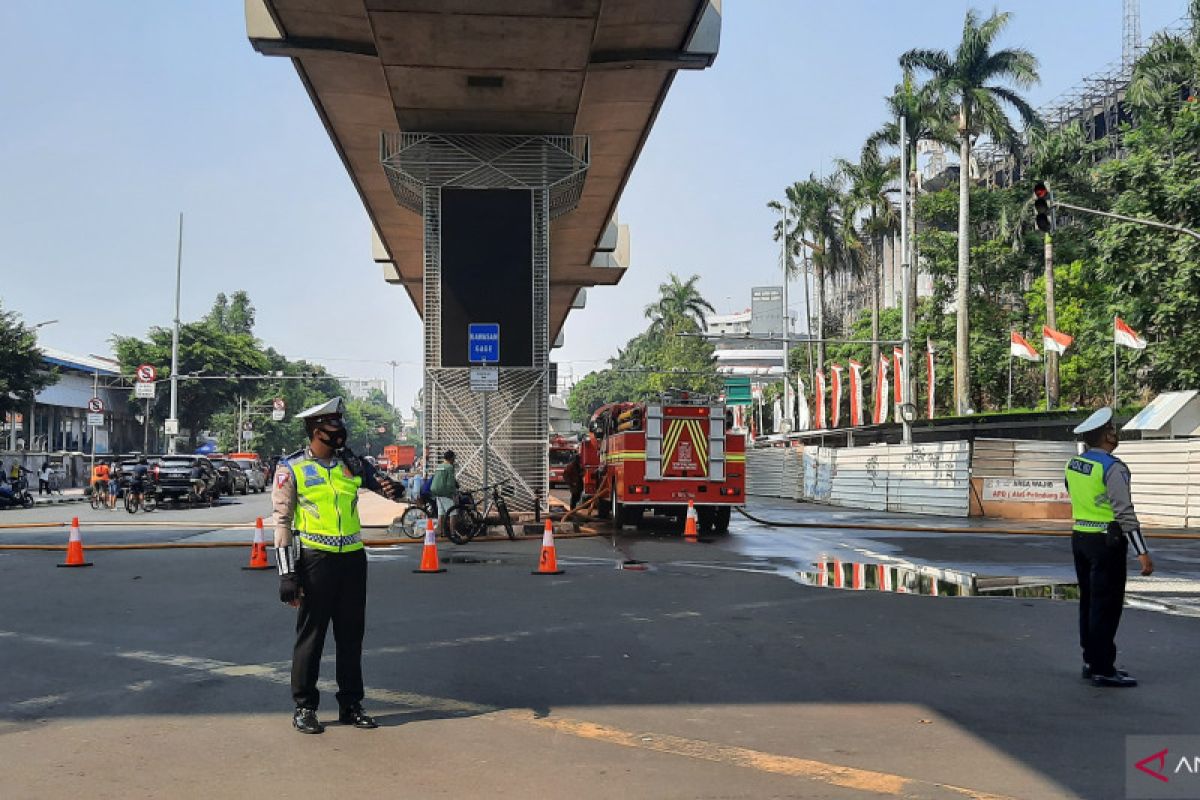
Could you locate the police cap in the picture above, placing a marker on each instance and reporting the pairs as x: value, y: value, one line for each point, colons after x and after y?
x: 1095, y: 422
x: 322, y: 412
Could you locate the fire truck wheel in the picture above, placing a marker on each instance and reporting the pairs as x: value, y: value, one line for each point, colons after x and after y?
x: 705, y: 516
x: 722, y: 521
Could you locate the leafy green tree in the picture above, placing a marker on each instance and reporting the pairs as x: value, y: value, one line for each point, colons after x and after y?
x: 22, y: 371
x: 970, y: 76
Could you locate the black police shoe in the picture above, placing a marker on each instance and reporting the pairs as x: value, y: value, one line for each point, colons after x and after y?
x: 305, y: 720
x: 1086, y: 672
x: 354, y: 715
x: 1118, y: 680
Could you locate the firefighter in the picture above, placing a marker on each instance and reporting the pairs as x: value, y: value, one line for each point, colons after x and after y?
x: 322, y: 563
x: 1105, y: 528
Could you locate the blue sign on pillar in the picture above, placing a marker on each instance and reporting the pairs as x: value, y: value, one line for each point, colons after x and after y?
x: 483, y: 343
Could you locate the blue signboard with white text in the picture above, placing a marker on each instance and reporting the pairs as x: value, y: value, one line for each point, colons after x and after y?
x: 483, y: 342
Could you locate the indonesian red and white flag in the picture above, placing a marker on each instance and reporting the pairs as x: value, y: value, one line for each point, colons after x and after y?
x: 897, y: 384
x: 819, y: 399
x: 856, y: 393
x: 929, y: 365
x: 835, y: 410
x: 1056, y: 341
x: 1125, y: 335
x: 1022, y: 349
x: 881, y: 391
x: 805, y: 421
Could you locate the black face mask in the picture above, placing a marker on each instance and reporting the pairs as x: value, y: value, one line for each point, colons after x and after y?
x: 335, y: 439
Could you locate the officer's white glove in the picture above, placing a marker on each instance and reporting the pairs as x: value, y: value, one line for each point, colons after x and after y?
x: 283, y: 538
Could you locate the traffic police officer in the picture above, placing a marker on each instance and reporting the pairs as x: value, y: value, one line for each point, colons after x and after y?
x: 1105, y: 527
x: 322, y: 561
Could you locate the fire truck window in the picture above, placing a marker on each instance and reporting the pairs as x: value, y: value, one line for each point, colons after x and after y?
x: 560, y: 458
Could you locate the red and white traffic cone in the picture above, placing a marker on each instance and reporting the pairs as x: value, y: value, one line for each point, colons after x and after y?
x: 75, y: 548
x: 258, y: 550
x: 689, y: 526
x: 429, y: 554
x: 548, y: 561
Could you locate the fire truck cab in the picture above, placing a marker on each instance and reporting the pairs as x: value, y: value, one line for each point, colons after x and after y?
x: 659, y: 455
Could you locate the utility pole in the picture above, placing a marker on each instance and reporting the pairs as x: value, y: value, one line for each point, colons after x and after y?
x: 787, y: 367
x: 906, y: 278
x: 171, y: 436
x: 1052, y: 385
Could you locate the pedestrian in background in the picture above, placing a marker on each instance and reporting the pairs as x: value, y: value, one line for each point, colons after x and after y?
x: 321, y: 560
x: 1106, y: 526
x: 444, y: 487
x: 44, y: 474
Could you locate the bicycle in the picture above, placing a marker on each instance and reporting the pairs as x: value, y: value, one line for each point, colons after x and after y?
x: 56, y: 481
x: 465, y: 521
x: 99, y: 494
x: 136, y: 498
x: 412, y: 521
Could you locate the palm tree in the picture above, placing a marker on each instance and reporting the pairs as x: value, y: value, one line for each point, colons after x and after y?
x: 680, y: 306
x: 969, y: 77
x: 928, y: 114
x: 870, y: 180
x: 1169, y: 70
x: 818, y: 222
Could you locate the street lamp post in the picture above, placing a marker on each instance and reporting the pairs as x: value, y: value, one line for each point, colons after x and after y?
x: 906, y: 278
x: 171, y: 444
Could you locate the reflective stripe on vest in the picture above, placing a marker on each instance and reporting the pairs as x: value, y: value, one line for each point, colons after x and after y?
x: 1090, y: 505
x: 326, y: 516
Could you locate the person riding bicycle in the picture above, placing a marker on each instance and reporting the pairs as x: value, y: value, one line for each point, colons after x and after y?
x: 100, y: 476
x: 137, y: 478
x: 114, y: 483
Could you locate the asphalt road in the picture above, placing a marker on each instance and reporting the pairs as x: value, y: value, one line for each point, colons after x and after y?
x: 713, y: 673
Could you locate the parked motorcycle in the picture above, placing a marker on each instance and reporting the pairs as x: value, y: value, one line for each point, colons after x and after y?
x: 20, y: 495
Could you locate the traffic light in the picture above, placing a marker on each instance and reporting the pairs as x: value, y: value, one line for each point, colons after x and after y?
x: 1043, y: 201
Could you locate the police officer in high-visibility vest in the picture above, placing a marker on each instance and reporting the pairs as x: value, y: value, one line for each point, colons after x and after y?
x: 322, y: 563
x: 1105, y: 528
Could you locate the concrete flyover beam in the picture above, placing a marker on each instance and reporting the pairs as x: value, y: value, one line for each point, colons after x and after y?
x: 546, y: 67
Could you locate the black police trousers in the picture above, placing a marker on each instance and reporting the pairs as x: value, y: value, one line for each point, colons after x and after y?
x: 335, y: 590
x: 1100, y: 569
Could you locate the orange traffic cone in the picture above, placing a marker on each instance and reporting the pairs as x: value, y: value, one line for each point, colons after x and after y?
x: 689, y: 527
x: 429, y: 556
x: 548, y: 562
x: 75, y: 548
x: 258, y: 550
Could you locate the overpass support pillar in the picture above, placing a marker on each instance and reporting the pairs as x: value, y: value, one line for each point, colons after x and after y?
x: 487, y: 201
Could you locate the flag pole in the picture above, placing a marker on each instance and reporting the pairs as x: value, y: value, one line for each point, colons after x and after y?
x: 1114, y: 333
x: 1010, y: 358
x: 1046, y: 358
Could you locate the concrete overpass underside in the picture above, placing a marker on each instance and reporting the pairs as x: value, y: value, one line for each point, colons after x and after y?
x: 490, y: 141
x: 594, y: 68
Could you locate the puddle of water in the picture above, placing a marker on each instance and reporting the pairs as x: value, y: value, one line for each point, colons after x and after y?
x: 929, y: 581
x: 472, y: 560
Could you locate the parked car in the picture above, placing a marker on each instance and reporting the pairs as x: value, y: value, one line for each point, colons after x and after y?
x: 253, y: 468
x: 232, y: 478
x: 127, y: 466
x: 176, y: 482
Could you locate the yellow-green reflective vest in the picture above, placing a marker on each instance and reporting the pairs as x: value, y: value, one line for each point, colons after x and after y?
x: 1089, y: 496
x: 326, y: 516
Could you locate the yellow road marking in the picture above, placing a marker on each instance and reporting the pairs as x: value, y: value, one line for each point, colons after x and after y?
x: 881, y: 783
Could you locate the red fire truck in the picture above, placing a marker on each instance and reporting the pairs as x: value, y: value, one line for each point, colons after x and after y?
x: 658, y: 455
x: 562, y: 450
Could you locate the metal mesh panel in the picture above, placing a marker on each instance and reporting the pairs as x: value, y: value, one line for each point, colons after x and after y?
x: 418, y: 166
x: 517, y: 429
x: 414, y: 162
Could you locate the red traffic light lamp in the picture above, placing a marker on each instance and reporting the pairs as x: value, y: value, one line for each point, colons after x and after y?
x: 1043, y: 208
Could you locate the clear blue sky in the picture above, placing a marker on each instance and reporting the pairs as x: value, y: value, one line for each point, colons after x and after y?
x: 118, y: 115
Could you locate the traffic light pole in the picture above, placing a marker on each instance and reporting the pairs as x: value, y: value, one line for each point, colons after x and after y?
x: 1052, y: 322
x: 1137, y: 220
